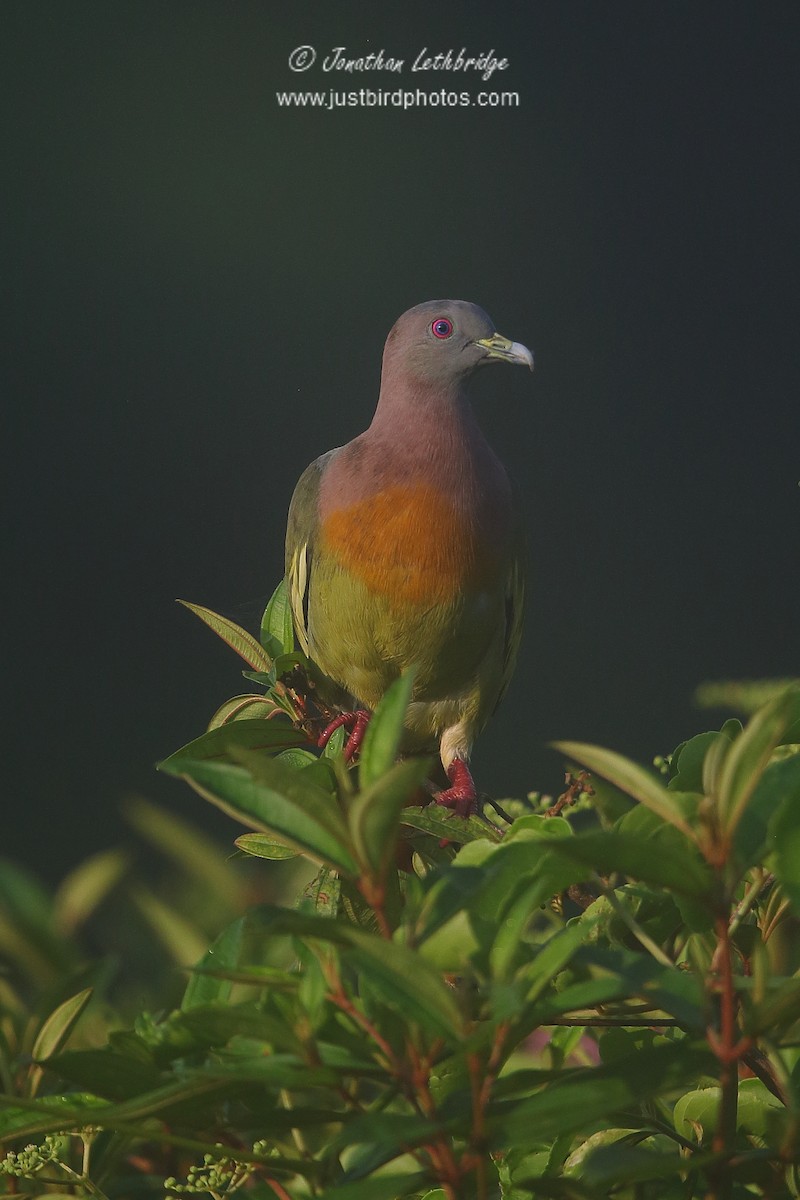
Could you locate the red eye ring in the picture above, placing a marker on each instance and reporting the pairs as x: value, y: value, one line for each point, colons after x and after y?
x: 442, y: 327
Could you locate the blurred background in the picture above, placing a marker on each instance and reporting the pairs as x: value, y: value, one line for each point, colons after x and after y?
x: 197, y: 284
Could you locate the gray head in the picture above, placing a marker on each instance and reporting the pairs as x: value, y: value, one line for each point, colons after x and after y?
x: 443, y: 341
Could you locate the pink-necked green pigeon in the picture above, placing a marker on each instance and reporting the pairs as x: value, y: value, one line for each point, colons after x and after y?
x: 404, y: 546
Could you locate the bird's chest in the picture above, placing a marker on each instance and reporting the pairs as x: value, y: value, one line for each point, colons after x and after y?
x: 417, y: 545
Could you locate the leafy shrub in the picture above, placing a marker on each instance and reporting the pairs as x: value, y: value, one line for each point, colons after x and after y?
x: 513, y: 1005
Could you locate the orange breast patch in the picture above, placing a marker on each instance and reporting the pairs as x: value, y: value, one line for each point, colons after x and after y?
x: 407, y: 543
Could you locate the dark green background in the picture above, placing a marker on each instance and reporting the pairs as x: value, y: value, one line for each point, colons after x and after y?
x: 197, y: 285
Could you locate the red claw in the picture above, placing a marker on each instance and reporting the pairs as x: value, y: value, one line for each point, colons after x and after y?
x: 462, y: 796
x: 356, y: 725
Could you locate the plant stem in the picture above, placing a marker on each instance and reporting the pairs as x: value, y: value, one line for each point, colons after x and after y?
x: 728, y: 1050
x: 749, y: 899
x: 628, y: 918
x: 346, y: 1005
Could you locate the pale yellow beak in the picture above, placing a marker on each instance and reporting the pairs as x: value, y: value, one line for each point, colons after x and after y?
x: 500, y: 347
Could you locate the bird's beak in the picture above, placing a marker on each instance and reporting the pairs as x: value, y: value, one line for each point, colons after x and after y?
x: 500, y: 347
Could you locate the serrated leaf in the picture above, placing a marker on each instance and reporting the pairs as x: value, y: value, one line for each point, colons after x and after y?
x: 218, y: 744
x: 276, y: 623
x: 385, y: 730
x: 375, y: 812
x: 630, y: 778
x: 237, y: 638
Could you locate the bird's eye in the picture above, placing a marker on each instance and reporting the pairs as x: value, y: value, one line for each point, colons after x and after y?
x: 442, y: 327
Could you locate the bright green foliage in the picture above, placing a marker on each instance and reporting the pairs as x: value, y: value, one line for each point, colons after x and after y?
x: 457, y: 1009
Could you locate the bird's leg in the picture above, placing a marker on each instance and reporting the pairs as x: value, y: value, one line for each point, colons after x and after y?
x: 356, y: 725
x: 461, y: 796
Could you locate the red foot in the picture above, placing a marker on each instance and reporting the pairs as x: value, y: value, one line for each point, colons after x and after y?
x: 356, y: 725
x: 462, y: 797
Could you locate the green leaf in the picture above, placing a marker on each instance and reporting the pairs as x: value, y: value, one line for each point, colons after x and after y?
x: 687, y: 761
x: 28, y: 935
x: 758, y: 1111
x: 406, y: 982
x: 225, y: 954
x: 252, y: 706
x: 301, y: 787
x: 553, y: 956
x: 385, y: 730
x: 578, y: 1099
x: 272, y: 736
x: 335, y: 743
x: 295, y: 811
x: 677, y: 867
x: 276, y: 623
x: 784, y: 836
x: 630, y: 778
x: 389, y: 1182
x: 750, y: 753
x: 85, y: 888
x: 442, y: 823
x: 779, y: 1008
x: 182, y: 940
x: 260, y: 845
x: 106, y: 1073
x: 23, y: 1118
x: 402, y: 978
x: 298, y: 759
x: 767, y: 821
x: 237, y: 638
x: 375, y: 812
x: 322, y: 893
x: 216, y: 1024
x: 542, y: 826
x: 611, y: 1165
x: 192, y: 851
x: 55, y: 1032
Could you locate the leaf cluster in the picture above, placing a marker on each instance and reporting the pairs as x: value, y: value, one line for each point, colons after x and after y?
x: 461, y: 1008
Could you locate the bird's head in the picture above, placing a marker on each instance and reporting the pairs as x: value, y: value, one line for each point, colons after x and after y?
x: 443, y: 341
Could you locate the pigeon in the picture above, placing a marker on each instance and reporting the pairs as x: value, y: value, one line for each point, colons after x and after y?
x: 404, y: 548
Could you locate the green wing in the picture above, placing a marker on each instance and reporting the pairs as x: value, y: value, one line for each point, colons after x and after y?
x: 302, y: 531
